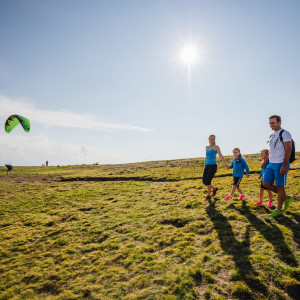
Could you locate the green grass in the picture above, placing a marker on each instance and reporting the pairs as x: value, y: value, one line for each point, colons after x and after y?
x: 144, y: 231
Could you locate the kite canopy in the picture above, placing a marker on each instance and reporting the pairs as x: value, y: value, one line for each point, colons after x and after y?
x: 14, y: 121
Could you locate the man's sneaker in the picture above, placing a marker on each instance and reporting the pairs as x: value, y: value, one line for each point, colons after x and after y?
x: 228, y: 197
x: 207, y: 198
x: 259, y: 203
x: 214, y: 192
x: 275, y: 213
x: 270, y: 204
x: 287, y: 203
x: 242, y: 197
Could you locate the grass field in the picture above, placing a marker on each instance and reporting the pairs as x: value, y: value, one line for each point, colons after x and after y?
x: 144, y: 231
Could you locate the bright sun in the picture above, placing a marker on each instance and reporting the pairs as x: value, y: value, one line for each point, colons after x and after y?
x: 189, y: 55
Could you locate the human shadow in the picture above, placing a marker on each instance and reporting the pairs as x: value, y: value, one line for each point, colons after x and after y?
x: 294, y: 226
x: 296, y: 216
x: 271, y: 233
x: 240, y: 251
x: 294, y: 289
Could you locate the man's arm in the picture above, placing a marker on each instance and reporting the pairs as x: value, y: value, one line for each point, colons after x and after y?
x: 288, y: 150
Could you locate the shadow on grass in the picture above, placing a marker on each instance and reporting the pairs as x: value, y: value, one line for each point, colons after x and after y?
x: 238, y: 250
x: 295, y: 227
x: 271, y: 233
x: 293, y: 290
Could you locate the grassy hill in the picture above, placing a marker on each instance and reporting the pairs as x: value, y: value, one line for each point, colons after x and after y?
x: 144, y: 231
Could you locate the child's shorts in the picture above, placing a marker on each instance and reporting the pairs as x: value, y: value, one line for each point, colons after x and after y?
x: 237, y: 181
x: 261, y: 186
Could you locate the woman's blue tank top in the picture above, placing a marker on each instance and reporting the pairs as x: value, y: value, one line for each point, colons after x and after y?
x: 211, y: 156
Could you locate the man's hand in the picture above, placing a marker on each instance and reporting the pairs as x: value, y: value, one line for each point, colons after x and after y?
x: 283, y: 170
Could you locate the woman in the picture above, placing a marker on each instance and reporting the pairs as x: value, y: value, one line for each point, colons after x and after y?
x: 211, y: 165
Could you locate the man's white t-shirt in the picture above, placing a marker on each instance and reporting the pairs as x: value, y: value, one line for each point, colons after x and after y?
x: 276, y: 146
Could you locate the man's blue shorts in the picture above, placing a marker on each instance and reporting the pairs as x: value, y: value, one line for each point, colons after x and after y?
x: 273, y: 172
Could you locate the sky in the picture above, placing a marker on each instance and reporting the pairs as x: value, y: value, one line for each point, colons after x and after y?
x: 104, y: 81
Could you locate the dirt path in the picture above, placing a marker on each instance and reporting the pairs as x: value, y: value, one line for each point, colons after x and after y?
x: 12, y: 178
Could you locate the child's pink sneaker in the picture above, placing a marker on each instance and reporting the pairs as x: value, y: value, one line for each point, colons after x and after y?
x: 270, y: 204
x: 228, y: 197
x: 242, y: 197
x: 259, y: 203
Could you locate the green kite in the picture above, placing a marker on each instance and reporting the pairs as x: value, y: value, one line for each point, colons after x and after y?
x: 14, y: 121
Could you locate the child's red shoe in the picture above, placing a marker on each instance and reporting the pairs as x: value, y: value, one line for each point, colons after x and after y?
x: 242, y: 197
x: 259, y: 203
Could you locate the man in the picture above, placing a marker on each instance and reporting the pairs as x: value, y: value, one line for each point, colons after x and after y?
x: 278, y: 166
x: 8, y: 169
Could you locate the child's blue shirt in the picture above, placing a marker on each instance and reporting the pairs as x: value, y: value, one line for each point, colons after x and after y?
x: 238, y: 166
x: 264, y: 169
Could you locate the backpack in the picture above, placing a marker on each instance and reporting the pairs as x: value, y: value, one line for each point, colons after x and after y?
x: 292, y: 157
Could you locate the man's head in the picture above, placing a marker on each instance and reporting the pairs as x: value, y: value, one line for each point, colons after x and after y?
x: 275, y: 122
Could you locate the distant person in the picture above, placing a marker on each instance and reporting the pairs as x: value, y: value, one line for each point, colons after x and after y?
x: 8, y: 169
x: 239, y: 165
x: 264, y: 154
x: 211, y: 165
x: 280, y: 144
x: 46, y: 163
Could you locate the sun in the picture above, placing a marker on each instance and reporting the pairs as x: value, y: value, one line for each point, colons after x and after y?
x: 189, y: 55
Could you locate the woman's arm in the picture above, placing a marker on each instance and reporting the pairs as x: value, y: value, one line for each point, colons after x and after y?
x: 221, y: 156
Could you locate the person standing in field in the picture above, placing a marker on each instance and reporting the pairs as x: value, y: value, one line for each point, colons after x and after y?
x: 280, y: 144
x: 238, y: 165
x: 210, y: 168
x: 8, y: 169
x: 264, y: 154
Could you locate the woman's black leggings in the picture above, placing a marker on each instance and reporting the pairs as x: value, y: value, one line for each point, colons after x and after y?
x: 209, y: 173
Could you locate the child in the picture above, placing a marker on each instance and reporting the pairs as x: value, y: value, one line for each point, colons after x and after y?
x: 238, y: 165
x: 264, y: 154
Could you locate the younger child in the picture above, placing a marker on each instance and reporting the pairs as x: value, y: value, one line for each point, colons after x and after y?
x: 238, y: 165
x: 264, y: 154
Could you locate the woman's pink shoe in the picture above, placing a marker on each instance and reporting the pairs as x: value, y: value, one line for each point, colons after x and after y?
x: 207, y: 198
x: 214, y: 192
x: 270, y: 204
x: 228, y: 197
x: 259, y: 203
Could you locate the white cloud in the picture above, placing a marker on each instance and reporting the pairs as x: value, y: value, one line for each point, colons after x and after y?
x: 36, y: 149
x: 60, y: 118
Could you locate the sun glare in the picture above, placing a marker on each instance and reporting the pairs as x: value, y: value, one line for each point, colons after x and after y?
x: 189, y: 55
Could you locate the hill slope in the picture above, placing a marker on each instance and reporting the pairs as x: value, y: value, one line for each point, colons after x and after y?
x: 143, y: 231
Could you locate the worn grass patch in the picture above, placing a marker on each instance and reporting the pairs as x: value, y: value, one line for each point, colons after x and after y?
x: 139, y: 239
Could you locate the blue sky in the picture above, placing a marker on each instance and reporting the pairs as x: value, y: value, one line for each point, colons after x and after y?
x: 101, y: 81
